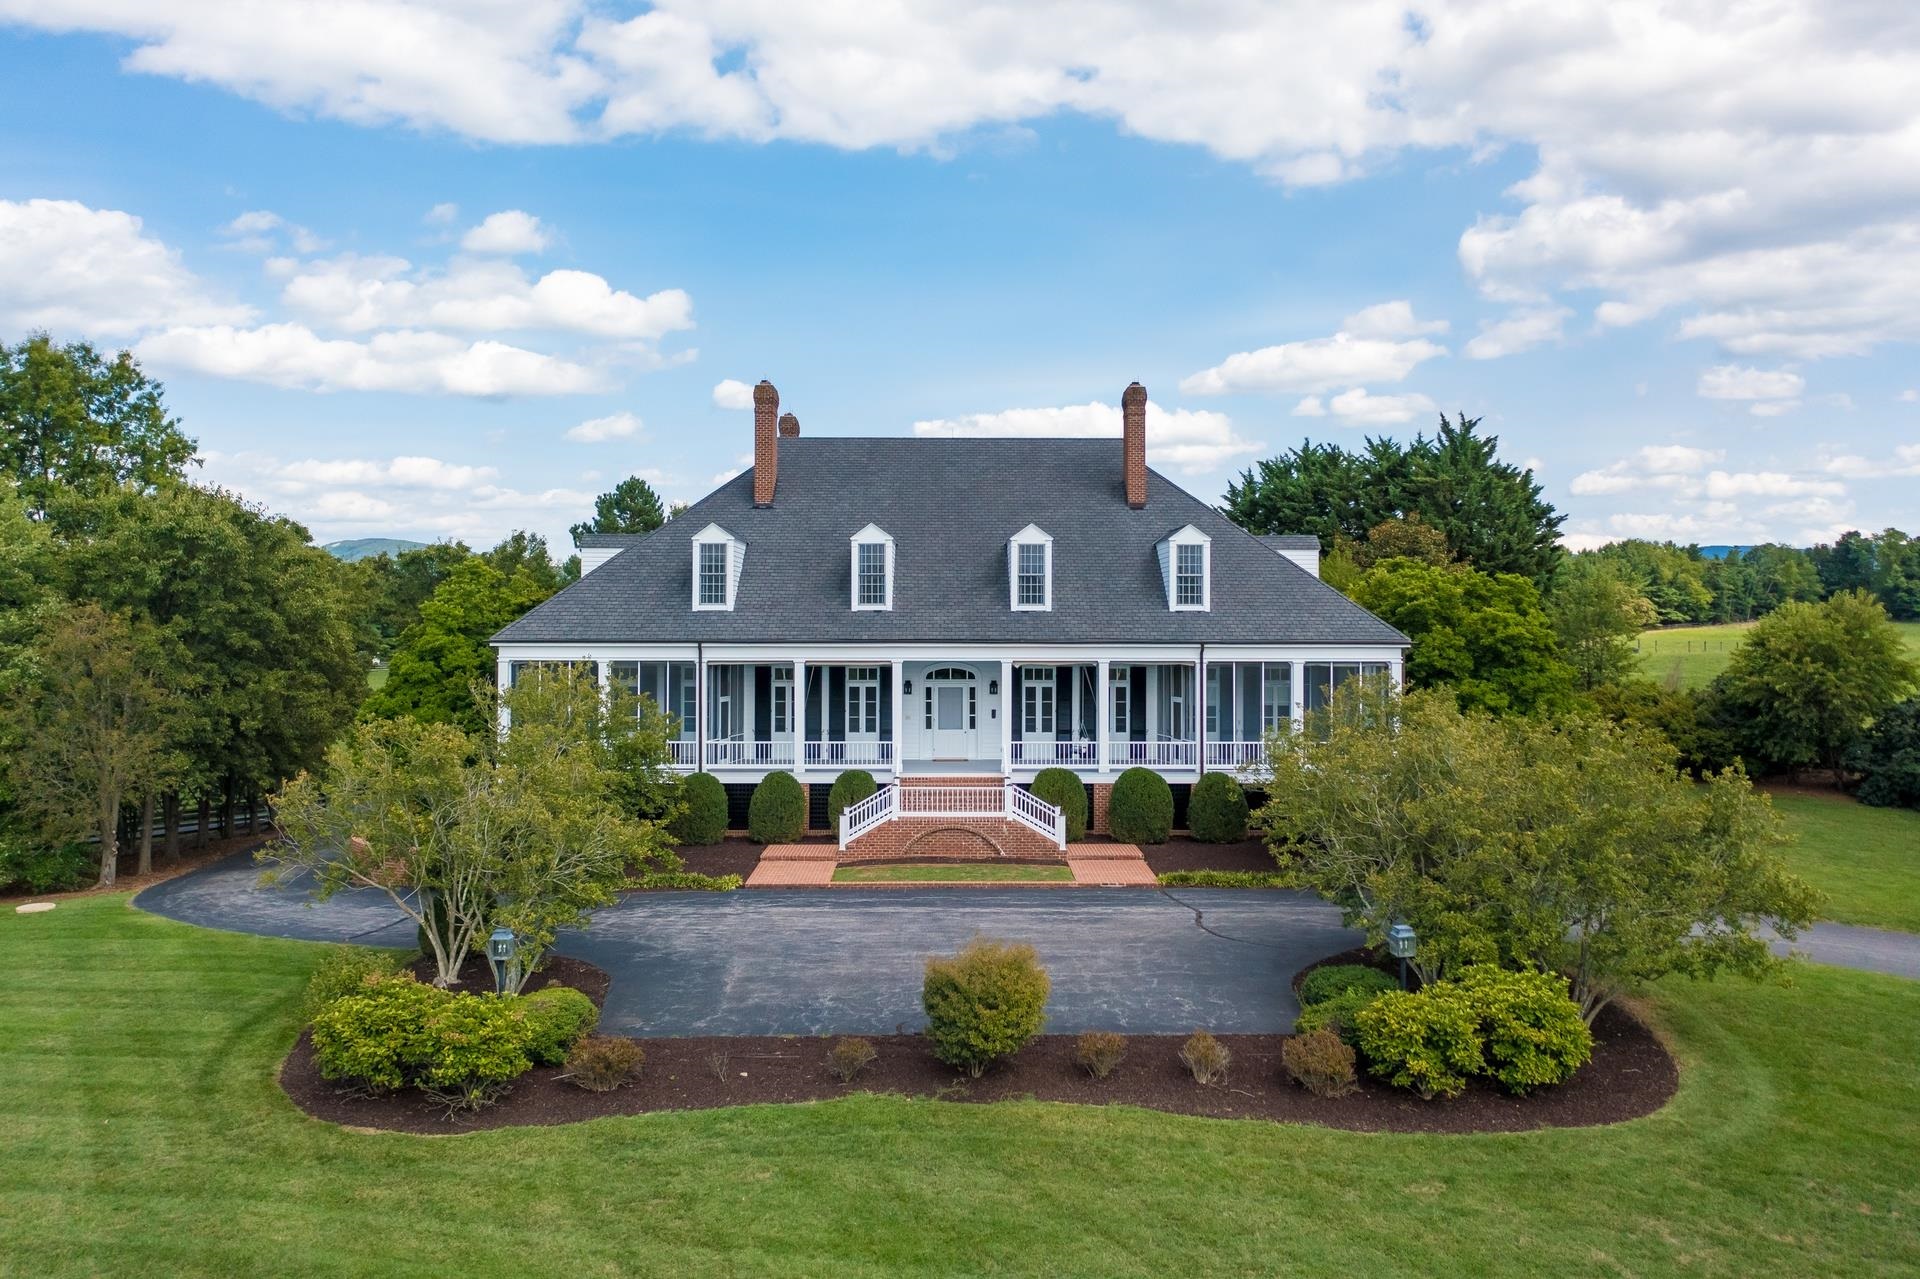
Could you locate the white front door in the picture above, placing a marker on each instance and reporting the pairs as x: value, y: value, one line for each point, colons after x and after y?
x: 950, y: 713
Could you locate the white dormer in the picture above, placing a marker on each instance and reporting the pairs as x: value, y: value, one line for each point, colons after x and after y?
x: 718, y: 558
x: 1186, y: 568
x: 872, y: 565
x: 1030, y: 571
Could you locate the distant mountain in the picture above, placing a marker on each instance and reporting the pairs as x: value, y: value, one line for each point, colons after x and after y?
x: 1721, y: 552
x: 361, y: 548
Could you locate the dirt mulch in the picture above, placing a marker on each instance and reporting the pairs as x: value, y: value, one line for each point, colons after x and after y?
x: 476, y: 976
x: 1181, y: 853
x: 1631, y: 1075
x: 728, y: 857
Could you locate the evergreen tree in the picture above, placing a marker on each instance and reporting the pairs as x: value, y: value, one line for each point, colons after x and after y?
x: 632, y: 507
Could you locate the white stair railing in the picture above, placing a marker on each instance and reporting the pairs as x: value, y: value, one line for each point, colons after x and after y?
x: 862, y: 817
x: 1006, y: 801
x: 1031, y: 811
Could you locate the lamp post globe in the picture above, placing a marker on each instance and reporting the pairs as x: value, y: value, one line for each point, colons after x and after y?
x: 502, y: 949
x: 1401, y: 944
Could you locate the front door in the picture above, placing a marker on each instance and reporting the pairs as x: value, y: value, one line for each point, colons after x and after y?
x: 951, y: 713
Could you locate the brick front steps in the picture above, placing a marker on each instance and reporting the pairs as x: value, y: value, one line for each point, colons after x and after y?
x: 812, y: 866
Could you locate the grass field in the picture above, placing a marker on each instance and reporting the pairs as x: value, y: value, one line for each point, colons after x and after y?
x: 1867, y: 860
x: 144, y: 1133
x: 1693, y: 655
x: 958, y: 873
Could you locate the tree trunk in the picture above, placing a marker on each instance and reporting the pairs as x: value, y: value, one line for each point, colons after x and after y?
x: 170, y: 814
x: 146, y: 836
x: 226, y: 809
x: 205, y: 821
x: 109, y: 839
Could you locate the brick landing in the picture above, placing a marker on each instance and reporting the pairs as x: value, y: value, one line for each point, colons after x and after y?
x: 795, y: 866
x: 812, y: 866
x: 1110, y: 866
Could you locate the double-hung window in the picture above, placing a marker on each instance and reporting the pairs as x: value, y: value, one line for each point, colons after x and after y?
x: 1033, y: 575
x: 863, y: 701
x: 1036, y: 702
x: 713, y: 573
x: 872, y: 569
x: 717, y: 560
x: 1190, y: 576
x: 1030, y: 570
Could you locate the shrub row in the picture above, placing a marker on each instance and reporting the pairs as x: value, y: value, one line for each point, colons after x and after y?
x: 686, y: 880
x: 1223, y: 879
x: 1519, y: 1028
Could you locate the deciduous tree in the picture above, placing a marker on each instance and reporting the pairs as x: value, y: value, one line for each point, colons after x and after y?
x: 1597, y: 615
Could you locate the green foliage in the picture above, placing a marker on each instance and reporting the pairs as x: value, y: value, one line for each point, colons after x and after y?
x: 852, y: 786
x: 1205, y: 1058
x: 378, y: 1037
x: 1573, y: 847
x: 632, y: 507
x: 1887, y: 756
x: 777, y: 813
x: 1224, y: 879
x: 1598, y: 615
x: 1485, y: 636
x: 685, y: 881
x: 1683, y: 716
x: 557, y: 1018
x: 984, y: 1003
x: 1098, y: 1052
x: 1532, y: 1034
x: 1405, y: 538
x: 1217, y: 810
x: 73, y: 420
x: 1672, y: 578
x: 472, y: 1046
x: 346, y: 970
x: 1319, y: 1061
x: 1488, y: 512
x: 29, y: 867
x: 393, y: 587
x: 1337, y: 1012
x: 1429, y: 1041
x: 524, y: 554
x: 1066, y: 792
x: 1140, y: 808
x: 1810, y: 678
x: 1331, y: 980
x: 602, y: 1063
x: 703, y: 816
x: 848, y: 1057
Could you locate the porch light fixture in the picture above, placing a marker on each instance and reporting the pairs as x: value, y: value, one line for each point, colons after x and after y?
x: 993, y: 688
x: 906, y: 686
x: 503, y: 952
x: 1401, y: 943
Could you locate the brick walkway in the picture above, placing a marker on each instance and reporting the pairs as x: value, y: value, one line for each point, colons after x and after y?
x: 1109, y: 865
x: 795, y: 866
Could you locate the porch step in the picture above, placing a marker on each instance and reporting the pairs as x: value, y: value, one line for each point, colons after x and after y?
x: 799, y: 853
x: 954, y: 779
x: 908, y: 838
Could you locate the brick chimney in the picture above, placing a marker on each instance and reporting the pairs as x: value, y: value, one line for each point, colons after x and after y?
x: 789, y: 426
x: 766, y: 443
x: 1133, y: 431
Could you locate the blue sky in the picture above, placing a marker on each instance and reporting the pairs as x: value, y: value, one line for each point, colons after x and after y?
x: 421, y: 270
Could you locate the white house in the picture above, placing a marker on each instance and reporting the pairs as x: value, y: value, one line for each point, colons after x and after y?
x: 958, y: 608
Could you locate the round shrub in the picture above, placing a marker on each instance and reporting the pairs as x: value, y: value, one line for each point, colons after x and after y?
x: 1429, y: 1042
x: 778, y: 811
x: 1059, y: 787
x: 1140, y: 809
x: 1319, y: 1062
x: 345, y: 970
x: 704, y: 819
x: 1217, y: 812
x: 376, y: 1038
x: 849, y: 789
x: 1336, y: 1013
x: 558, y: 1017
x: 601, y: 1063
x: 1331, y: 980
x: 474, y: 1046
x: 984, y: 1003
x: 1531, y: 1032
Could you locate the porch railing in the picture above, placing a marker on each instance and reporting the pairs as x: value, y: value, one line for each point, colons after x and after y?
x: 825, y: 754
x: 1239, y: 757
x: 881, y: 806
x: 686, y: 754
x: 1005, y: 801
x: 1161, y: 754
x: 1067, y: 754
x: 740, y: 752
x: 1030, y: 810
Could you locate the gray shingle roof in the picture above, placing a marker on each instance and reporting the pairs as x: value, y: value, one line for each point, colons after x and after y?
x: 1291, y: 541
x: 606, y: 541
x: 951, y: 506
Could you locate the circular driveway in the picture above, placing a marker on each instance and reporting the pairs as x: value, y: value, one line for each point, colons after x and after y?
x: 848, y: 961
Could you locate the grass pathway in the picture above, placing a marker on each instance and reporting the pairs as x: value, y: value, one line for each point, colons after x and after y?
x: 144, y: 1134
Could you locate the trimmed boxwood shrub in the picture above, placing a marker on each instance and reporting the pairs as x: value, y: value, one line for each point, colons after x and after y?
x: 1140, y: 809
x: 558, y: 1017
x: 1336, y: 1013
x: 704, y: 819
x: 345, y: 970
x: 1059, y: 787
x: 849, y: 788
x: 1532, y: 1033
x: 984, y: 1003
x: 1429, y: 1042
x: 377, y: 1039
x: 1217, y: 810
x: 777, y: 814
x: 1332, y: 980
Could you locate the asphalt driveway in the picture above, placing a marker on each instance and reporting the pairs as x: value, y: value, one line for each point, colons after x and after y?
x: 849, y: 961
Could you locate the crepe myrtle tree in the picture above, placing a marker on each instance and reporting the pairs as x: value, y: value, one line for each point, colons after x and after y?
x: 1572, y: 846
x: 528, y: 829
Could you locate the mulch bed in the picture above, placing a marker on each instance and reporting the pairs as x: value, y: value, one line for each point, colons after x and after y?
x: 728, y: 857
x: 1631, y: 1075
x: 1180, y: 853
x: 476, y: 976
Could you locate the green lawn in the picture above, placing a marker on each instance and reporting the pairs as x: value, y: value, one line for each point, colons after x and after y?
x: 959, y: 873
x: 377, y: 678
x: 143, y: 1133
x: 1695, y: 654
x: 1867, y: 860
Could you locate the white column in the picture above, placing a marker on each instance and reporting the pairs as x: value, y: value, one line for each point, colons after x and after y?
x: 1102, y: 715
x: 703, y: 721
x: 1297, y: 687
x: 502, y: 681
x: 899, y: 708
x: 1008, y: 709
x: 1197, y: 708
x: 797, y: 707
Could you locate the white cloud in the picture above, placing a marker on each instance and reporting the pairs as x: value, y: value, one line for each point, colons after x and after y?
x: 1724, y: 485
x: 1311, y: 406
x: 441, y: 214
x: 1359, y: 408
x: 263, y: 231
x: 1773, y: 408
x: 509, y: 232
x: 1677, y: 459
x: 1586, y: 541
x: 1732, y: 382
x: 1189, y: 440
x: 731, y: 393
x: 1905, y: 462
x: 1390, y: 320
x: 615, y: 426
x: 485, y: 295
x: 1910, y: 396
x: 71, y: 269
x: 1521, y: 331
x: 292, y: 355
x: 1349, y: 357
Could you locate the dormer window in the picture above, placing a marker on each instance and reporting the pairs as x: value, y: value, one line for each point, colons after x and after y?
x: 872, y: 569
x: 718, y: 557
x: 1186, y: 567
x: 1030, y: 570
